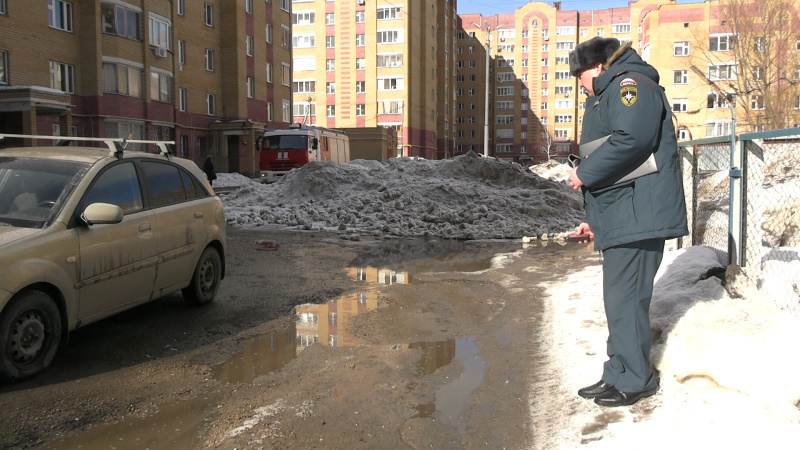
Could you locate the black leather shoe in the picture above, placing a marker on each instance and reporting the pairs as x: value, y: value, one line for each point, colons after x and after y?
x: 614, y: 397
x: 601, y: 387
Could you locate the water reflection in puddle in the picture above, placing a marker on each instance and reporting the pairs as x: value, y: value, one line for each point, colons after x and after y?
x: 395, y: 262
x: 173, y: 426
x: 452, y: 399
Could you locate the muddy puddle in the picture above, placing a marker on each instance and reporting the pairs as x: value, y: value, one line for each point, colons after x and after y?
x: 178, y: 425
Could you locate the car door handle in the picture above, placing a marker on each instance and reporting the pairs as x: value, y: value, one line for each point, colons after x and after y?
x: 144, y: 227
x: 198, y: 214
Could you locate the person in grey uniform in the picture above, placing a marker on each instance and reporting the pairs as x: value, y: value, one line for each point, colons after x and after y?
x: 628, y: 220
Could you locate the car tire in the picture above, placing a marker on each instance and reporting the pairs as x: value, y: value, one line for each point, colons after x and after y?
x: 205, y: 280
x: 30, y: 330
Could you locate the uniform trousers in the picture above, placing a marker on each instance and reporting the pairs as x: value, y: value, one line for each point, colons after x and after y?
x: 628, y: 274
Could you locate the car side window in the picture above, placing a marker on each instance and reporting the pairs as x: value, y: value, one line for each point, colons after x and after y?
x: 164, y: 183
x: 119, y: 186
x: 188, y: 185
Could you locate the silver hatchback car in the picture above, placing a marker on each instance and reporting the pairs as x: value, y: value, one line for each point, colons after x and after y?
x: 86, y: 233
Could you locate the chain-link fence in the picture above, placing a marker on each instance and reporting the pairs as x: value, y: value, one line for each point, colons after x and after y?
x: 760, y: 228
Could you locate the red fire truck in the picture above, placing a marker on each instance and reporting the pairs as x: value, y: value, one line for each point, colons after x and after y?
x: 283, y: 150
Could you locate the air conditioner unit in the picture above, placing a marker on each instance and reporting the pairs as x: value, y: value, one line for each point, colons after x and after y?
x: 361, y: 2
x: 160, y: 52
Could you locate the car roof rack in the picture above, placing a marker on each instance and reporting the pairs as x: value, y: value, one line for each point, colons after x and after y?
x: 116, y: 146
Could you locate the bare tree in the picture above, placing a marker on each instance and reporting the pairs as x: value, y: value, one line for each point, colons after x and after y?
x: 753, y: 57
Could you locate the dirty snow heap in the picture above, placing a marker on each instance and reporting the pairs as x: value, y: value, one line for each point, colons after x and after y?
x: 465, y: 197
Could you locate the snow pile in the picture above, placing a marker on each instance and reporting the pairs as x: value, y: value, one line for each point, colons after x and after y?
x: 466, y: 197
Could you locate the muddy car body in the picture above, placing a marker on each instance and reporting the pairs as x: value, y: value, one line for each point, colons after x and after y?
x: 86, y: 233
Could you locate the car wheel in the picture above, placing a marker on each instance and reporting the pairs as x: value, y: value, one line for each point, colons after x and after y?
x: 205, y: 281
x: 30, y: 329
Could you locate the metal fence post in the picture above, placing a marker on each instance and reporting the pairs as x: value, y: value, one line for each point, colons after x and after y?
x: 736, y: 204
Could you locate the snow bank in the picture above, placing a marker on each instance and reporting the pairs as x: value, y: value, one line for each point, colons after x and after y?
x: 466, y: 197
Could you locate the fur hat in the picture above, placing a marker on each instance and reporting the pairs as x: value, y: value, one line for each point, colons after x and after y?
x: 590, y: 53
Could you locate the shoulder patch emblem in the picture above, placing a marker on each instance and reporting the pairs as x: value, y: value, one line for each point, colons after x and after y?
x: 628, y: 95
x: 628, y: 82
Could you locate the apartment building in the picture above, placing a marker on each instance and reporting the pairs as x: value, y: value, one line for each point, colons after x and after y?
x: 377, y: 63
x: 210, y: 75
x: 702, y: 51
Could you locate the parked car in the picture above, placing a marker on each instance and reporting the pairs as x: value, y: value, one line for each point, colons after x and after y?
x: 86, y: 233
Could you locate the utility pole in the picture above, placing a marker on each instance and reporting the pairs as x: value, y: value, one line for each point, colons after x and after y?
x: 486, y: 93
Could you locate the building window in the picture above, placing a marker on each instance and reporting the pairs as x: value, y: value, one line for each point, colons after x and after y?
x: 286, y: 36
x: 286, y: 75
x: 361, y: 40
x: 160, y: 87
x: 116, y: 19
x: 286, y: 110
x: 3, y: 66
x: 270, y: 112
x: 182, y: 99
x: 388, y: 13
x: 719, y: 43
x: 211, y: 104
x: 390, y: 107
x: 757, y: 102
x: 330, y: 19
x: 62, y: 77
x: 303, y: 40
x: 330, y: 41
x: 722, y: 72
x: 3, y: 7
x: 716, y: 101
x: 680, y: 77
x: 361, y: 87
x: 160, y: 33
x: 248, y: 6
x: 330, y: 65
x: 285, y: 5
x: 182, y: 52
x: 718, y: 128
x: 269, y: 33
x: 209, y: 15
x: 330, y: 88
x: 180, y: 7
x: 59, y: 14
x: 680, y: 105
x: 209, y: 60
x: 122, y: 79
x: 620, y: 28
x: 390, y: 84
x: 304, y: 18
x: 361, y: 17
x: 680, y: 49
x: 361, y: 64
x: 331, y: 110
x: 305, y: 109
x: 270, y: 73
x: 562, y: 134
x: 249, y: 43
x: 251, y: 87
x: 390, y: 37
x: 304, y: 87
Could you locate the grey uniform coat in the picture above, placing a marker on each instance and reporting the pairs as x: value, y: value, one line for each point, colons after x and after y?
x: 631, y: 107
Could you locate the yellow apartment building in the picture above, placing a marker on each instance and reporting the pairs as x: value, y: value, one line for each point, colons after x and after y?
x: 208, y: 74
x: 366, y: 63
x: 535, y: 108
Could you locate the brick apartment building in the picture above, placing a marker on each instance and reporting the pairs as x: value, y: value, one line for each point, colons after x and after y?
x: 534, y: 101
x: 366, y: 63
x: 209, y: 74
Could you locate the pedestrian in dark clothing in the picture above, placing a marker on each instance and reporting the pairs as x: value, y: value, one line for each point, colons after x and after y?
x: 208, y: 168
x: 631, y: 220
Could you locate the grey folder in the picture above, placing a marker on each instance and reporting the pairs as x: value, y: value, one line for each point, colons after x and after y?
x: 647, y: 167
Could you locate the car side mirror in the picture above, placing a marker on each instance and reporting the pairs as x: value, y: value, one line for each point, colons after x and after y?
x: 102, y: 213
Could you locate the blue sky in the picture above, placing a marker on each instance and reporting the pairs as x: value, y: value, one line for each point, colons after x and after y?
x: 492, y: 7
